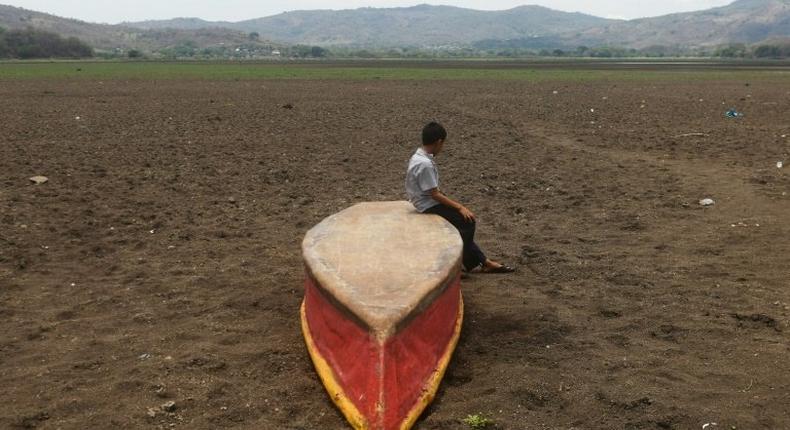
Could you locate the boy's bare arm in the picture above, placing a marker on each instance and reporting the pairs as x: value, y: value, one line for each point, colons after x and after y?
x: 441, y: 198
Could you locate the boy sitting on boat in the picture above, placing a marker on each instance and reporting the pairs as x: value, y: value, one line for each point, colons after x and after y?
x: 422, y: 188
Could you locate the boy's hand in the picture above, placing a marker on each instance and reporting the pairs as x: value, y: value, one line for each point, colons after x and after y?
x: 466, y: 213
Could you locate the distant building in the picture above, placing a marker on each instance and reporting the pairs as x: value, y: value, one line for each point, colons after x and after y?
x: 276, y: 53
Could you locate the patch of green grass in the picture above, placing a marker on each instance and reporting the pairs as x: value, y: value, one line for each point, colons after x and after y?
x: 253, y: 71
x: 477, y: 421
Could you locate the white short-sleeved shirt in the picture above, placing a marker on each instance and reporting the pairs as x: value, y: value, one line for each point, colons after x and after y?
x: 421, y: 177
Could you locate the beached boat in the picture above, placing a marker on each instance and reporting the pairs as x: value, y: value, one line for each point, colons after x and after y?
x: 382, y: 310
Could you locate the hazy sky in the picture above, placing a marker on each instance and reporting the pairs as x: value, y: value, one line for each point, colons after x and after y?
x: 237, y: 10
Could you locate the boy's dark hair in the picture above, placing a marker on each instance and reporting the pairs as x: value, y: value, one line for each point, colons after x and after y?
x: 432, y: 133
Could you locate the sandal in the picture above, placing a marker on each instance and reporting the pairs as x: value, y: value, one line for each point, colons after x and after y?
x: 501, y: 269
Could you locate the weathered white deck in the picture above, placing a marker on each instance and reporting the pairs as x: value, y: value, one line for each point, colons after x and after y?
x: 382, y: 262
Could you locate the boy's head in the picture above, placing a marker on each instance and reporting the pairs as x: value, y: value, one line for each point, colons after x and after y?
x: 433, y: 137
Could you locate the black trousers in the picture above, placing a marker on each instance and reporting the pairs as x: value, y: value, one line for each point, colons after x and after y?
x: 473, y: 256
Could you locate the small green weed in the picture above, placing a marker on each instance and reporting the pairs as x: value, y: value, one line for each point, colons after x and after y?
x: 477, y: 421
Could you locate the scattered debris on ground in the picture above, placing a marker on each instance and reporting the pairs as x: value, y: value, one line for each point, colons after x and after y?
x: 38, y: 180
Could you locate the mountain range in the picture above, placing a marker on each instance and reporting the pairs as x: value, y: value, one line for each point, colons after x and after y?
x: 410, y: 26
x: 121, y: 37
x: 743, y: 21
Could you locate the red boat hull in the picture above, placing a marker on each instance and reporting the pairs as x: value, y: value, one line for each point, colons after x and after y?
x: 381, y: 384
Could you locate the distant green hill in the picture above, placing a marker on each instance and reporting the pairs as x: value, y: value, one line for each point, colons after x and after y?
x: 112, y: 37
x: 33, y: 43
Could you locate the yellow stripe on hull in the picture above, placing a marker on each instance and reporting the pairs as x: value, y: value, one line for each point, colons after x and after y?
x: 341, y: 400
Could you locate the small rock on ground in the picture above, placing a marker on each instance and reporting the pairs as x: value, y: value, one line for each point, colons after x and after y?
x: 38, y: 180
x: 168, y: 406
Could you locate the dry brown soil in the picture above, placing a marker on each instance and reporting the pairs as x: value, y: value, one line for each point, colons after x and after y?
x: 161, y: 261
